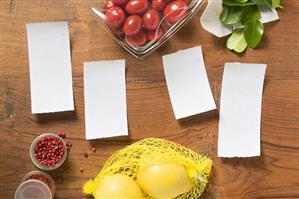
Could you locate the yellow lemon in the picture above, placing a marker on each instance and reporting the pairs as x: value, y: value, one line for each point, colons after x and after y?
x: 118, y: 186
x: 164, y: 181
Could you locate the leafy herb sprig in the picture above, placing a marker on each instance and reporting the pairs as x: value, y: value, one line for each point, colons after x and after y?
x: 245, y: 14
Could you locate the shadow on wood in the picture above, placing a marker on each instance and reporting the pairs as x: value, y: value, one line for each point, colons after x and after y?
x: 46, y: 118
x: 191, y: 120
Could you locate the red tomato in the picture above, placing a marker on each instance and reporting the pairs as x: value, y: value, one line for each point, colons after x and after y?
x: 136, y: 6
x: 137, y: 40
x: 120, y: 2
x: 107, y: 6
x: 159, y: 4
x: 151, y: 19
x: 132, y: 25
x: 115, y: 17
x: 175, y: 10
x: 153, y: 35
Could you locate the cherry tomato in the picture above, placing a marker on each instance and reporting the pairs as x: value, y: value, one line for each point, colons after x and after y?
x: 107, y: 6
x: 137, y: 40
x: 115, y: 17
x: 153, y: 35
x: 159, y: 5
x: 175, y: 10
x: 132, y: 25
x: 151, y: 19
x: 136, y: 6
x: 120, y: 2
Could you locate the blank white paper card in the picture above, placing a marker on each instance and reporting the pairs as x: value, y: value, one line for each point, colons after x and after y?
x: 50, y: 67
x: 105, y: 99
x: 240, y: 110
x: 188, y: 83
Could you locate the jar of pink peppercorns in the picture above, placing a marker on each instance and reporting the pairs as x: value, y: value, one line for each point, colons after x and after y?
x: 48, y: 151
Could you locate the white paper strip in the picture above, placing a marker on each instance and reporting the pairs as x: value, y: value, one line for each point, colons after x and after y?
x: 210, y: 18
x: 240, y: 110
x: 105, y: 99
x: 187, y: 82
x: 50, y: 67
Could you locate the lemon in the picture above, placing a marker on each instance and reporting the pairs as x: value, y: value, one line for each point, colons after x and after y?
x: 164, y: 181
x: 118, y: 186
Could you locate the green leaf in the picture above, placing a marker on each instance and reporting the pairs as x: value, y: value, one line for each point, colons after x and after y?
x: 236, y: 41
x: 267, y: 3
x: 231, y: 15
x: 250, y: 12
x: 237, y: 3
x: 224, y: 14
x: 253, y: 32
x: 276, y: 4
x: 239, y: 13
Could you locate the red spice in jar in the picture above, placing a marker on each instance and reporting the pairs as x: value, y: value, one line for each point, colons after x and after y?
x: 49, y: 151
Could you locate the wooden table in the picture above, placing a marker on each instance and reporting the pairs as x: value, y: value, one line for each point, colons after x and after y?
x: 273, y: 175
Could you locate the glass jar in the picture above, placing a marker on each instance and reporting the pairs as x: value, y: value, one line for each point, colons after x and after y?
x: 38, y: 163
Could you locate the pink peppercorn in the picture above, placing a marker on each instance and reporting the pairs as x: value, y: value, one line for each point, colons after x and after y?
x: 69, y: 144
x: 59, y: 180
x: 48, y: 151
x: 86, y: 155
x: 61, y: 134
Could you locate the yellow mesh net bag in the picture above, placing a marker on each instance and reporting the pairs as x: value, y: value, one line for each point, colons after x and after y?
x: 151, y: 151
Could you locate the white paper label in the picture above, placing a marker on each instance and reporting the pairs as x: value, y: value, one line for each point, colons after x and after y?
x: 105, y: 99
x: 187, y: 83
x: 50, y: 67
x: 240, y: 110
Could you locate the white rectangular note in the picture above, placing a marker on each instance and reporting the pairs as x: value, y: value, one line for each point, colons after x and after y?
x: 187, y: 83
x: 50, y: 67
x: 240, y: 110
x: 105, y: 99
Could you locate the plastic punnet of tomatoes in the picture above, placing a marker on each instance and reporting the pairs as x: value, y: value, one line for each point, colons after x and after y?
x: 141, y: 26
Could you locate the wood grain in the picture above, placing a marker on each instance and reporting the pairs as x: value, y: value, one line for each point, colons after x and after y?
x: 273, y: 175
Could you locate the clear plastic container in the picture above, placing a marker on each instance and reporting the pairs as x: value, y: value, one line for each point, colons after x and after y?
x: 43, y: 177
x: 157, y: 36
x: 34, y: 159
x: 33, y: 189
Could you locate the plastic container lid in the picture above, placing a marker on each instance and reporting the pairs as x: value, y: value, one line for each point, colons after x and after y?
x: 33, y: 189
